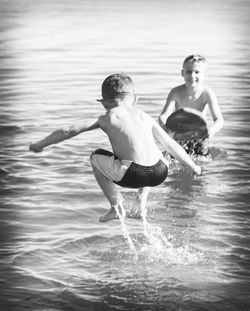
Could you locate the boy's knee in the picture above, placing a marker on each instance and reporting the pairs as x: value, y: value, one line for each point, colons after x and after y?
x: 96, y: 156
x: 100, y: 152
x: 92, y: 157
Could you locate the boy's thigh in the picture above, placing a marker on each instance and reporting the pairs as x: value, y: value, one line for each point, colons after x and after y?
x: 108, y: 165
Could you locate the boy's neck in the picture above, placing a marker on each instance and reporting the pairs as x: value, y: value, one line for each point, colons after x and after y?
x: 117, y: 102
x: 193, y: 90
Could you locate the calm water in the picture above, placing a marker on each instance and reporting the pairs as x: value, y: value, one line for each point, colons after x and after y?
x: 55, y: 255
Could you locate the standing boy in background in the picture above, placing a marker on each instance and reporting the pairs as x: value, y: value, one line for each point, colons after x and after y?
x: 194, y: 94
x: 136, y: 161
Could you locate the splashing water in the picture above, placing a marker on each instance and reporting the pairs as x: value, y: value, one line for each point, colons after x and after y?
x: 144, y: 221
x: 125, y: 232
x: 156, y: 247
x: 153, y: 234
x: 163, y: 250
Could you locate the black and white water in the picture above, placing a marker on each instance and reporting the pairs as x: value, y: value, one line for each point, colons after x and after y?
x: 54, y: 254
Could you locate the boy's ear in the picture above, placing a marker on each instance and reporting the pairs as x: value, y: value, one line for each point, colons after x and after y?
x: 102, y: 102
x: 182, y: 72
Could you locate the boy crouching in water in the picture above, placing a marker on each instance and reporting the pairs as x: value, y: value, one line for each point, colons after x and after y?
x: 136, y: 161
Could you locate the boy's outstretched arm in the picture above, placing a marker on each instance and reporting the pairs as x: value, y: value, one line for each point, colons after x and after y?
x: 168, y: 109
x: 215, y: 112
x: 63, y: 134
x: 174, y: 148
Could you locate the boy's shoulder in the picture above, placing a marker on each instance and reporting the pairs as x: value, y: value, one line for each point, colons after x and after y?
x: 182, y: 89
x: 178, y: 89
x: 120, y: 111
x: 208, y: 91
x: 131, y: 113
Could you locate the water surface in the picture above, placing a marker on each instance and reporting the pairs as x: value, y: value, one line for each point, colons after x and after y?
x: 55, y: 255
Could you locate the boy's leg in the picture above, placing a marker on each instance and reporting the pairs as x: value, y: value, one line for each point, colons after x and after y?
x: 112, y: 194
x: 139, y: 204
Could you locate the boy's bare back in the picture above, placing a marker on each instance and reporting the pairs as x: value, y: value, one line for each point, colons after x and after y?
x: 130, y: 133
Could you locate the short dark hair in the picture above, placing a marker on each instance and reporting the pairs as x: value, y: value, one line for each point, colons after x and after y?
x: 117, y: 85
x: 194, y: 58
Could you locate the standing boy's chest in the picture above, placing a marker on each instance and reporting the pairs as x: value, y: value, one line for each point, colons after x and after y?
x: 195, y: 102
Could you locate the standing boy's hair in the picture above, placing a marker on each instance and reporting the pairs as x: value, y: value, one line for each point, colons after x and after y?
x: 117, y: 85
x: 194, y: 58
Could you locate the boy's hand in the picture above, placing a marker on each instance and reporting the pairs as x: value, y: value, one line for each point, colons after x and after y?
x: 197, y: 170
x: 35, y: 148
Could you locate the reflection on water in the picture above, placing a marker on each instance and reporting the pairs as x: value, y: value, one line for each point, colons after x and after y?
x: 54, y: 255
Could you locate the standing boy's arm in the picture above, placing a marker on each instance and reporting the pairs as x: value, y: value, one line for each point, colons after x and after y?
x: 63, y: 134
x: 174, y: 148
x: 215, y: 112
x: 168, y: 109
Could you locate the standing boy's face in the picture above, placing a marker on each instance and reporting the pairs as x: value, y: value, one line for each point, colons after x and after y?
x: 193, y: 73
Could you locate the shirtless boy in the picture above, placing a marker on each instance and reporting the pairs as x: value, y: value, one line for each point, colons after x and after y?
x: 193, y: 94
x: 136, y: 161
